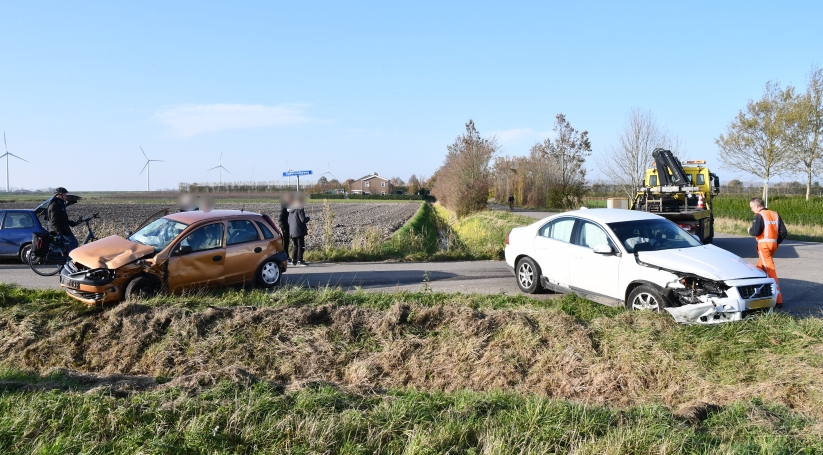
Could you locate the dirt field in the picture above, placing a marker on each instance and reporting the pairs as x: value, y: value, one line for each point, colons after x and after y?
x: 349, y: 218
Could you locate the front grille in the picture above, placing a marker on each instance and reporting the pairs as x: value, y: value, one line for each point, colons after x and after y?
x: 756, y: 291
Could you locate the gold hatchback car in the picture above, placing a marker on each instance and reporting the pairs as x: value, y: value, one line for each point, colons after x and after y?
x: 176, y: 253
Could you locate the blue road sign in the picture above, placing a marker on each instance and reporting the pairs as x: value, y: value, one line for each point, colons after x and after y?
x: 293, y: 173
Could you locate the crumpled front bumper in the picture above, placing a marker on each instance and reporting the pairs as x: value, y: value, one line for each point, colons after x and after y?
x: 732, y: 307
x: 91, y: 290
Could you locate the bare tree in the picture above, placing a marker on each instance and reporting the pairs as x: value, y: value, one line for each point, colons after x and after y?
x: 625, y: 164
x: 756, y: 141
x: 805, y: 118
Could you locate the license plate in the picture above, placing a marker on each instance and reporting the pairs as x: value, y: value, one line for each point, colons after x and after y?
x: 69, y: 283
x: 762, y: 303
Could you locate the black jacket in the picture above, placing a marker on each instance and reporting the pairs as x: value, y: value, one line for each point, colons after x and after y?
x: 297, y: 222
x: 758, y: 225
x: 283, y: 218
x: 59, y: 221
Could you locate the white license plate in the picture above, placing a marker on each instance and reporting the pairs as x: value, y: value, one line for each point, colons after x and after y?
x: 69, y: 283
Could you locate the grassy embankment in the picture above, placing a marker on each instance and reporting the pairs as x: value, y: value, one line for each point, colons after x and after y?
x: 302, y: 371
x: 432, y: 234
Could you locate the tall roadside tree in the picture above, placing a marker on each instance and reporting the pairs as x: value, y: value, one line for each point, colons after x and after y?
x: 625, y: 163
x: 567, y: 154
x: 462, y: 182
x: 757, y: 140
x: 805, y: 117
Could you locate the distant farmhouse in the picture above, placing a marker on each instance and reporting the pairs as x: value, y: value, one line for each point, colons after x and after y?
x: 372, y: 184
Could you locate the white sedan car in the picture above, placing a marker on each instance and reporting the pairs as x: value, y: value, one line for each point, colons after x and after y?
x: 640, y: 260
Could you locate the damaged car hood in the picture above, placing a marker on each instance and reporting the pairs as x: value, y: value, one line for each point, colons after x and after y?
x: 110, y: 252
x: 707, y: 261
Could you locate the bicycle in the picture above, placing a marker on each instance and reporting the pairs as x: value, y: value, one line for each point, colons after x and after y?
x: 57, y: 254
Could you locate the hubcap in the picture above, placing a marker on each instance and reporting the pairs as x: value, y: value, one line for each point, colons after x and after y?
x: 645, y: 301
x: 270, y: 273
x: 526, y: 275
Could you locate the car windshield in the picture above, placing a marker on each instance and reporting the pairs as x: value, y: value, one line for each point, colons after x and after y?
x: 159, y: 233
x: 652, y: 235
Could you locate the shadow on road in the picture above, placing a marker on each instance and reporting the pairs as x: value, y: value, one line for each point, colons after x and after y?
x: 368, y: 279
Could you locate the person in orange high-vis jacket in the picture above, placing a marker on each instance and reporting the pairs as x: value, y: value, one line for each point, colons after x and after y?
x: 770, y: 231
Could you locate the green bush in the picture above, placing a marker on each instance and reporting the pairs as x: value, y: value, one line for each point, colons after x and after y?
x: 386, y: 197
x: 792, y: 209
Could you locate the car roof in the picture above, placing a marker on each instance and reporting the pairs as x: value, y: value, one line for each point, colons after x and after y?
x: 606, y: 216
x: 196, y: 215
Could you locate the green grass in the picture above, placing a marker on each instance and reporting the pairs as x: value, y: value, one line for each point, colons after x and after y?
x: 407, y: 372
x: 481, y: 235
x: 263, y: 419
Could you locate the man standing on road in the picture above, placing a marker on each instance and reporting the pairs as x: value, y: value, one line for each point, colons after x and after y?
x: 59, y: 221
x: 298, y: 231
x: 511, y: 202
x: 770, y: 232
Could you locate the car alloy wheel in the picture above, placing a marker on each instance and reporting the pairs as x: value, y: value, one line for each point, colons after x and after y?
x: 646, y: 297
x: 528, y: 276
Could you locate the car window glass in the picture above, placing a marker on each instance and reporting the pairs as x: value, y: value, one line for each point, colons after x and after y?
x: 159, y: 233
x: 701, y: 179
x: 562, y: 229
x: 544, y: 231
x: 241, y: 231
x: 205, y: 238
x: 267, y: 234
x: 591, y: 235
x: 17, y: 220
x: 689, y: 178
x: 652, y: 235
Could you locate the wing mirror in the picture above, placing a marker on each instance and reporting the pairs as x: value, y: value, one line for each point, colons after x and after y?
x: 604, y: 248
x: 182, y: 249
x: 128, y: 233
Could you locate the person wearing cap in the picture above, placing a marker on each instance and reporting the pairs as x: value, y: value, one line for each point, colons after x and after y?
x: 769, y: 230
x: 59, y: 221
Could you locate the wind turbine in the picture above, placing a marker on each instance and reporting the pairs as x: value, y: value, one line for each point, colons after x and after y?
x: 220, y: 169
x: 147, y: 167
x: 328, y: 166
x: 7, y: 155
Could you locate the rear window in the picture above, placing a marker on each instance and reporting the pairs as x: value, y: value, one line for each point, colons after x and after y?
x: 267, y: 234
x: 17, y: 220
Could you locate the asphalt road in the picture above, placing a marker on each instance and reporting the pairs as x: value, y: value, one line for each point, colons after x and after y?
x: 799, y: 264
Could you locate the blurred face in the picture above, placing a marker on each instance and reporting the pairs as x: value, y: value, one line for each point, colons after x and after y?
x: 755, y: 208
x: 62, y: 196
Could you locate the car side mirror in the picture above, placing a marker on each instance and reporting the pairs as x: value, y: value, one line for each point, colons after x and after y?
x: 182, y: 249
x: 128, y: 233
x: 604, y: 248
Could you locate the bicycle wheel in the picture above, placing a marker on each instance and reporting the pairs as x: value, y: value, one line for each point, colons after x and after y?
x: 48, y: 265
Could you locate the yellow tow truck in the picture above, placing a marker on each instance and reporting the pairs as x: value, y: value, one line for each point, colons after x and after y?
x: 681, y: 192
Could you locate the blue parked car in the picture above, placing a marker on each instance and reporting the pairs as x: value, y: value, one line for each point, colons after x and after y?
x: 16, y: 228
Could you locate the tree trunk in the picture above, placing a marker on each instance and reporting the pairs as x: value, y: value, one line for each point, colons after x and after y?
x: 808, y: 184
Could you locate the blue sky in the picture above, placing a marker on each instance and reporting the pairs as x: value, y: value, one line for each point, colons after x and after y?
x: 368, y: 87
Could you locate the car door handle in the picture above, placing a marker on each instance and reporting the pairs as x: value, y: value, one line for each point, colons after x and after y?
x: 577, y: 256
x: 217, y: 258
x: 258, y: 249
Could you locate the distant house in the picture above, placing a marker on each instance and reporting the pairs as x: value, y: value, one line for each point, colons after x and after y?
x: 372, y: 184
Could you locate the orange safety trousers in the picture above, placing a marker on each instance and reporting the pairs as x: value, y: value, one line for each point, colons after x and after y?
x: 765, y: 254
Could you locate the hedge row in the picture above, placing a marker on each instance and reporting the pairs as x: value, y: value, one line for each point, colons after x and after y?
x: 387, y: 197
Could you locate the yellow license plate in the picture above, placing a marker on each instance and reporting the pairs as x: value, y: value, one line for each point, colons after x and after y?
x: 762, y: 303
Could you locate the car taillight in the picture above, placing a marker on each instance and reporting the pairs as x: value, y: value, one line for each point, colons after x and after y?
x: 685, y: 227
x: 507, y: 237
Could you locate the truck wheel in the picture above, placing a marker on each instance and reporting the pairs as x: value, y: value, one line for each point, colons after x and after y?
x: 646, y: 297
x: 528, y: 276
x: 268, y: 274
x: 143, y: 287
x: 24, y: 253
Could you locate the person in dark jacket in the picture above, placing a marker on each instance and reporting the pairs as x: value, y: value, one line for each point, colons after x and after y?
x: 59, y: 221
x: 298, y: 230
x: 283, y: 221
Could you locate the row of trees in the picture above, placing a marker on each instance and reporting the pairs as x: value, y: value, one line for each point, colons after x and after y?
x: 779, y: 134
x: 553, y: 174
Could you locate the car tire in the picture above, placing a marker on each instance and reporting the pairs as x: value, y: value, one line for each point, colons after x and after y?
x: 24, y: 253
x: 268, y: 274
x: 143, y: 287
x: 527, y: 273
x: 646, y: 297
